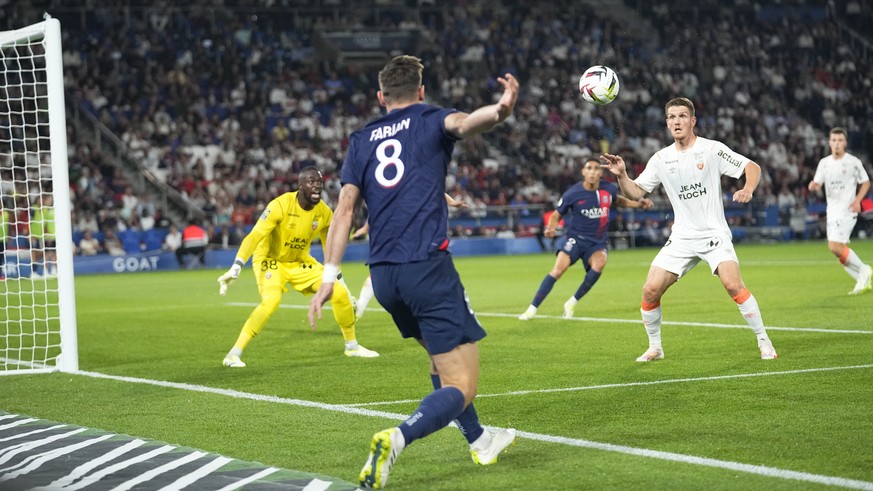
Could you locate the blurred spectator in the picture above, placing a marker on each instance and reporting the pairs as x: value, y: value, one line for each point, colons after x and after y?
x: 504, y: 232
x: 112, y: 244
x: 173, y: 239
x: 194, y: 242
x: 89, y: 245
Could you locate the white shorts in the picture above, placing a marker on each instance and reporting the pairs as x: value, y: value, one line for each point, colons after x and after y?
x: 840, y: 229
x: 679, y: 256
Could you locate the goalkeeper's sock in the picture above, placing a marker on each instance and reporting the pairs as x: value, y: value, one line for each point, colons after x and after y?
x: 351, y: 345
x: 235, y: 351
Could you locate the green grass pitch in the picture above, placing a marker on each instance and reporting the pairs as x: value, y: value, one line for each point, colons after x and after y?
x: 712, y: 415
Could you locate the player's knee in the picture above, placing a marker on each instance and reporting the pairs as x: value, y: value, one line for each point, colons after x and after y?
x: 651, y: 293
x: 836, y: 248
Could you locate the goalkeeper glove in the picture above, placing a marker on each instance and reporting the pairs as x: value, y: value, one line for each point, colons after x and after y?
x: 226, y: 279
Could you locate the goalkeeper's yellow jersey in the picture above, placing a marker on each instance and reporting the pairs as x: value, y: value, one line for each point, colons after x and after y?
x: 285, y: 230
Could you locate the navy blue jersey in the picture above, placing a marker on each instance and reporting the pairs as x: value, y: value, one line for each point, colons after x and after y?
x: 586, y: 212
x: 399, y: 163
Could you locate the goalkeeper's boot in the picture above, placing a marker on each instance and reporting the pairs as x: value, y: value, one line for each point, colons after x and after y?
x: 361, y: 352
x: 652, y: 354
x: 528, y: 314
x: 569, y: 307
x: 233, y: 361
x: 768, y: 352
x: 384, y: 450
x: 491, y: 449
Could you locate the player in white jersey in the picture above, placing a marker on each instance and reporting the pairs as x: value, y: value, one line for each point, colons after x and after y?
x: 690, y: 170
x: 845, y: 183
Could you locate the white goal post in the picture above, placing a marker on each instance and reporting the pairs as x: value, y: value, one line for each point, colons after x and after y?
x: 37, y: 296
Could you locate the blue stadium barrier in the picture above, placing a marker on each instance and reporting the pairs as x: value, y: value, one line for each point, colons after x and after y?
x: 221, y: 259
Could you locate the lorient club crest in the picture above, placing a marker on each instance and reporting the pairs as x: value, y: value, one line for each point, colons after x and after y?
x: 314, y: 224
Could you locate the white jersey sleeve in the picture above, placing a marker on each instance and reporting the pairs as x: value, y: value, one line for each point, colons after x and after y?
x: 729, y: 163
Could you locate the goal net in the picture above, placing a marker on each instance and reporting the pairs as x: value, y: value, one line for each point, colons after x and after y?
x: 37, y: 300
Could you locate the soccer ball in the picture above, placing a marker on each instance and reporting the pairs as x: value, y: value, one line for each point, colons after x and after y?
x: 599, y: 85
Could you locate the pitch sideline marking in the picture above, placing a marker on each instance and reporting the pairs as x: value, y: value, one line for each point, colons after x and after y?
x: 601, y: 319
x: 639, y: 452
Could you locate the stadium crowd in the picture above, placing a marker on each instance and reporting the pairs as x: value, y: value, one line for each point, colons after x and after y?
x: 226, y: 102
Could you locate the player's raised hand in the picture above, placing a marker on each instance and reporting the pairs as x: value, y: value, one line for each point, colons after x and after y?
x: 227, y: 278
x: 614, y: 163
x: 325, y: 291
x: 510, y: 95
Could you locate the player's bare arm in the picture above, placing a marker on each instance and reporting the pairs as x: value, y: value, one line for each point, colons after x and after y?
x: 454, y: 203
x: 337, y: 241
x: 814, y: 186
x: 552, y: 226
x: 645, y: 203
x: 616, y: 165
x: 753, y: 177
x: 464, y: 125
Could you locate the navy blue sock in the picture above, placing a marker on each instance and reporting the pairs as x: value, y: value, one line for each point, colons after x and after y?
x: 543, y: 292
x: 468, y: 420
x: 590, y: 279
x: 436, y: 410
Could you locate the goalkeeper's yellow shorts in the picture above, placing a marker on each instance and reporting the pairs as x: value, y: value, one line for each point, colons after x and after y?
x: 303, y: 276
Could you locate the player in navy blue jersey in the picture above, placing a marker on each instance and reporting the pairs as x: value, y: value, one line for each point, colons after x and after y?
x: 398, y: 164
x: 585, y: 209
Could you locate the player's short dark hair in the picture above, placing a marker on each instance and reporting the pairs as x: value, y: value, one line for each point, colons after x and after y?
x: 401, y: 78
x: 680, y: 102
x: 837, y: 130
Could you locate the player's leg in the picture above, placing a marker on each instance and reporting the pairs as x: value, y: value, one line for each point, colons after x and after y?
x: 728, y: 272
x: 595, y: 259
x: 839, y: 233
x: 485, y: 446
x: 657, y: 282
x: 364, y: 297
x: 344, y: 314
x: 562, y: 261
x: 271, y: 279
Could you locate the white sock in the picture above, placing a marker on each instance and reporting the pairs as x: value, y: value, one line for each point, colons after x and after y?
x: 352, y: 345
x: 365, y: 296
x: 482, y: 442
x: 752, y: 314
x: 572, y: 302
x: 234, y: 352
x: 652, y: 323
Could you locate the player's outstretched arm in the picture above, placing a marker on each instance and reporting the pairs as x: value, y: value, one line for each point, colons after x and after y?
x: 464, y: 125
x: 616, y: 165
x: 335, y: 248
x: 242, y: 255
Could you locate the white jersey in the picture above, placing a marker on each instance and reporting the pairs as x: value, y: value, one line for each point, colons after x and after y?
x: 840, y: 178
x: 692, y: 179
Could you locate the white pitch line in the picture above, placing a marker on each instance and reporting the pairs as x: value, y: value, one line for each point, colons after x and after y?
x: 629, y: 384
x: 640, y: 452
x: 606, y: 320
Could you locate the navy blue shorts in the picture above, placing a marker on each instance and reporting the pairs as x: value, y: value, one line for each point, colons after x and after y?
x: 428, y: 302
x: 579, y: 248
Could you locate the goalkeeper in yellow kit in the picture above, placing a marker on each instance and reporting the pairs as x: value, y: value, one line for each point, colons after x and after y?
x: 280, y: 243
